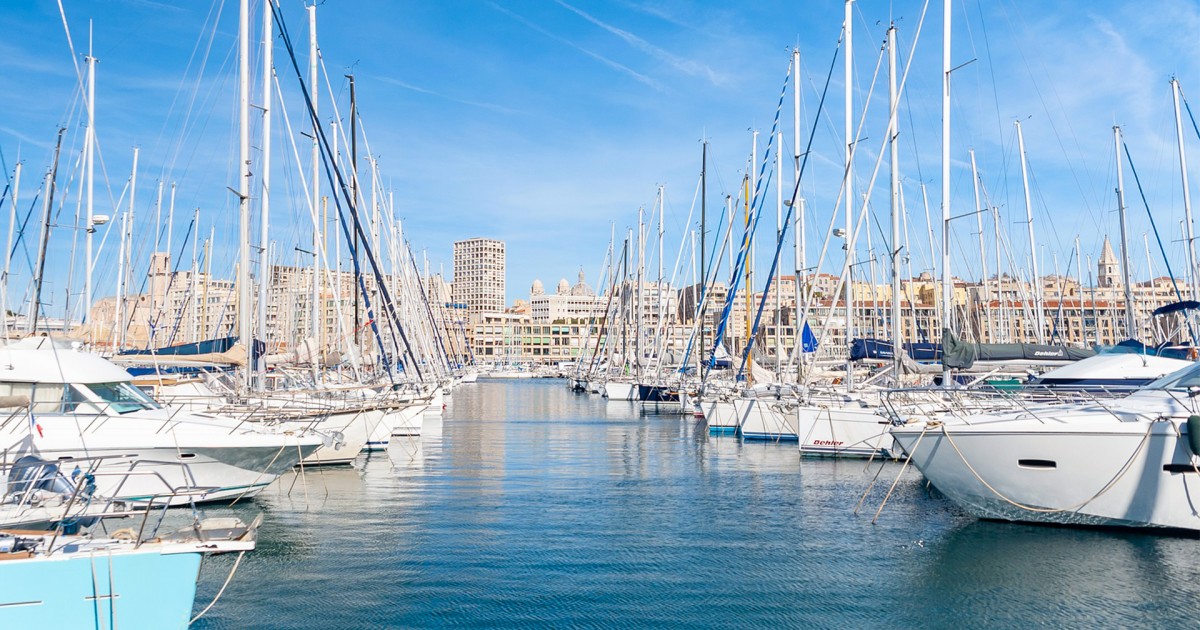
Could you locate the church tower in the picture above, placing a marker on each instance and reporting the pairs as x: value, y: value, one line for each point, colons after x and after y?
x: 1108, y: 272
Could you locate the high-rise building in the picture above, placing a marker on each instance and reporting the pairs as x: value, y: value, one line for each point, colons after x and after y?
x: 479, y: 275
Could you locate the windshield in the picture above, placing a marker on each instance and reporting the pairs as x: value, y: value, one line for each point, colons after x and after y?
x: 122, y: 397
x: 1182, y: 379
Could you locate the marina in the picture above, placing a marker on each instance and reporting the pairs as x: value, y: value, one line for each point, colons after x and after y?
x: 276, y: 350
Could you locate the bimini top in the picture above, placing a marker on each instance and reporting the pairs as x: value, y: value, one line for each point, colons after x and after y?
x: 41, y: 360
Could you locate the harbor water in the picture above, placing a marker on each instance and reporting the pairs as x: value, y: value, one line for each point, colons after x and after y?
x: 528, y: 505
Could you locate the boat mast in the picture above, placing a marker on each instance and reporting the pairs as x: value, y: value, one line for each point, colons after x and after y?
x: 1189, y: 234
x: 12, y: 223
x: 637, y: 328
x: 195, y: 336
x: 1001, y: 322
x: 45, y: 240
x: 245, y: 332
x: 987, y: 312
x: 658, y: 349
x: 1039, y: 315
x: 894, y: 154
x: 354, y: 199
x: 89, y: 166
x: 748, y: 289
x: 703, y: 287
x: 798, y: 235
x: 1130, y: 322
x: 1079, y: 280
x: 778, y: 239
x: 317, y: 242
x: 848, y: 27
x: 947, y: 279
x: 264, y: 260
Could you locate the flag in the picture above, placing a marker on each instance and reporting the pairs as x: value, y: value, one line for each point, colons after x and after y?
x: 808, y: 341
x: 33, y: 423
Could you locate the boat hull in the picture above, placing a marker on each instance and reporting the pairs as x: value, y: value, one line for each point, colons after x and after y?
x: 843, y: 430
x: 135, y: 588
x: 620, y: 391
x: 765, y: 419
x: 1121, y: 476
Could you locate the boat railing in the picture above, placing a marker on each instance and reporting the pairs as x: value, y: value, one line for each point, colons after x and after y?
x: 906, y: 404
x: 78, y: 491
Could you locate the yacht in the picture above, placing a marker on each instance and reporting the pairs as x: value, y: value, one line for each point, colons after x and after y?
x: 82, y: 406
x: 1124, y: 462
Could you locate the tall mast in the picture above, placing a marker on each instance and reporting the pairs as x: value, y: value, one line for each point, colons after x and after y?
x: 195, y: 336
x: 637, y: 328
x: 89, y: 166
x: 987, y: 312
x: 118, y: 334
x: 1001, y: 324
x: 170, y: 220
x: 1189, y: 234
x: 1130, y: 322
x: 798, y: 233
x: 51, y: 185
x: 354, y: 196
x: 703, y: 287
x: 154, y: 306
x: 317, y: 241
x: 746, y: 271
x: 893, y: 133
x: 848, y: 26
x: 264, y: 260
x: 1039, y: 315
x: 659, y: 292
x: 245, y: 332
x: 1079, y: 280
x: 778, y: 239
x: 947, y: 282
x: 12, y: 223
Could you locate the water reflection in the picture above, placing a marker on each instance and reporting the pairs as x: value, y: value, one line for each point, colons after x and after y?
x: 530, y: 505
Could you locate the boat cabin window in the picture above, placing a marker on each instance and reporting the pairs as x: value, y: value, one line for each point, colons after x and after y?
x: 122, y: 397
x: 45, y: 397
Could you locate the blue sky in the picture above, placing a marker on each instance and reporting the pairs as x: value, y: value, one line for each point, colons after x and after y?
x: 544, y: 123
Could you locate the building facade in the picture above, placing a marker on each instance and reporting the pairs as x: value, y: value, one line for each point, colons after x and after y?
x: 479, y: 271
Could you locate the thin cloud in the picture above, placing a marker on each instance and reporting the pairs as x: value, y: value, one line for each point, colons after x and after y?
x: 420, y: 90
x: 606, y: 61
x: 686, y: 66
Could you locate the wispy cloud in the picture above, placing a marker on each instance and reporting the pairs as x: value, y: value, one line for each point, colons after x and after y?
x: 420, y: 90
x: 687, y: 66
x: 598, y: 57
x: 655, y: 10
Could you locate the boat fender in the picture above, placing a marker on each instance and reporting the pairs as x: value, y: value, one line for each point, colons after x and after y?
x: 1193, y: 434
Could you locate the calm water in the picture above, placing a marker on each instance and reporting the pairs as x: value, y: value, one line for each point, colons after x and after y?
x: 529, y: 505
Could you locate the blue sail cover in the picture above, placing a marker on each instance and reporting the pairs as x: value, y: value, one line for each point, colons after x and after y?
x: 878, y: 349
x: 210, y: 346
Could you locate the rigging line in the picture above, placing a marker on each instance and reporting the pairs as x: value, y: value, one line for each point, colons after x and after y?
x: 331, y: 170
x: 174, y: 272
x: 788, y: 218
x: 1157, y: 237
x: 987, y: 47
x: 847, y: 268
x: 168, y: 167
x: 1073, y: 136
x: 750, y: 230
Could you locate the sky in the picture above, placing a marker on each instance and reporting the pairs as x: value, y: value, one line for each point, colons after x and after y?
x: 548, y: 124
